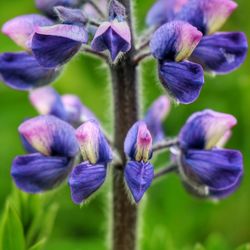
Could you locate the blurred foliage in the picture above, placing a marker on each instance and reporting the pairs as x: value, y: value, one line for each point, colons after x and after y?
x: 172, y: 220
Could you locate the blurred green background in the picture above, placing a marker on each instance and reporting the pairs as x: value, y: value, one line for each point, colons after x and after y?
x: 171, y: 218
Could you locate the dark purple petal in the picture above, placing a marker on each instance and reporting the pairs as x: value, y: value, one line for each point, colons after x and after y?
x: 222, y: 52
x: 113, y: 36
x: 36, y: 173
x: 174, y: 41
x: 50, y: 136
x: 182, y: 80
x: 216, y: 172
x: 48, y: 102
x: 138, y: 142
x: 47, y: 6
x: 138, y: 176
x: 85, y: 179
x: 205, y: 129
x: 21, y: 29
x: 22, y: 71
x: 93, y: 144
x: 155, y: 116
x: 55, y: 45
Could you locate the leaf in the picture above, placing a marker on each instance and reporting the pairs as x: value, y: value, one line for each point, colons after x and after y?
x: 39, y: 245
x: 12, y: 236
x: 199, y: 247
x: 244, y: 247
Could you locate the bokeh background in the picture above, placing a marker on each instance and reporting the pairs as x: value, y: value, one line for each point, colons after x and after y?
x: 171, y: 218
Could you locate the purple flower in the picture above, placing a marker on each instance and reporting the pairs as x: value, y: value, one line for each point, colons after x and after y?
x: 139, y: 172
x: 87, y: 177
x: 67, y: 107
x: 114, y: 35
x: 56, y: 147
x: 171, y: 45
x: 207, y: 170
x: 155, y: 116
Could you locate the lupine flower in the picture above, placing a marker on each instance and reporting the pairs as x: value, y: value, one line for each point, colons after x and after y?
x: 55, y: 146
x: 155, y: 115
x: 206, y: 169
x: 67, y: 107
x: 139, y: 172
x: 171, y: 45
x: 218, y: 53
x: 113, y: 35
x: 87, y: 177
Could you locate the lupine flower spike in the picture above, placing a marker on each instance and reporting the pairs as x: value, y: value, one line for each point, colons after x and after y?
x: 87, y: 177
x: 139, y: 172
x: 206, y: 169
x: 113, y: 35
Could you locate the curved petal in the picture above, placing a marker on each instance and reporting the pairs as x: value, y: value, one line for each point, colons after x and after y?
x: 21, y: 29
x: 50, y: 136
x: 155, y: 116
x: 222, y: 52
x: 55, y: 45
x: 174, y: 41
x: 218, y: 171
x: 138, y: 176
x: 85, y: 179
x: 203, y: 130
x: 182, y: 80
x: 113, y: 36
x: 48, y: 102
x: 28, y: 148
x: 138, y: 142
x: 21, y: 71
x: 94, y: 146
x: 36, y: 173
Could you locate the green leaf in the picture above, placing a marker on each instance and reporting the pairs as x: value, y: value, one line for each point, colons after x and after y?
x: 244, y: 247
x: 39, y: 245
x: 12, y: 236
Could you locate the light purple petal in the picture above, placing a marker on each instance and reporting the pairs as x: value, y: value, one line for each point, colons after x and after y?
x: 155, y: 115
x: 50, y: 136
x: 174, y: 41
x: 85, y: 179
x: 214, y: 173
x: 21, y: 71
x: 36, y: 173
x: 94, y: 146
x: 182, y: 80
x: 203, y: 130
x: 113, y: 36
x: 21, y: 29
x: 138, y: 176
x: 138, y: 142
x: 48, y: 102
x: 222, y: 52
x: 55, y: 45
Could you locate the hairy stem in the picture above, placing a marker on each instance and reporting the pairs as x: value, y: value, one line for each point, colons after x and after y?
x: 125, y: 92
x: 172, y: 167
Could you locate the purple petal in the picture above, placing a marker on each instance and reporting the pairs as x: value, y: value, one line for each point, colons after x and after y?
x: 28, y: 148
x: 207, y: 16
x: 85, y: 179
x: 138, y: 142
x: 94, y: 146
x: 205, y: 129
x: 21, y: 29
x: 117, y: 11
x: 47, y: 6
x: 91, y: 12
x: 50, y: 136
x: 113, y: 36
x: 35, y: 173
x: 174, y: 41
x: 56, y: 45
x: 21, y: 71
x: 77, y: 113
x: 182, y: 80
x: 155, y: 116
x: 222, y: 52
x: 138, y: 176
x: 48, y: 102
x: 216, y: 172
